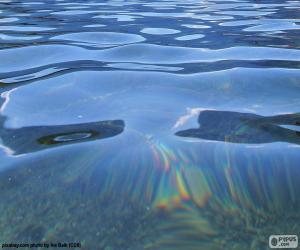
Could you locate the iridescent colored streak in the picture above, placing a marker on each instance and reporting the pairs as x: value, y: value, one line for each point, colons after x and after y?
x: 150, y: 189
x: 198, y: 186
x: 179, y: 182
x: 168, y: 152
x: 181, y: 186
x: 163, y: 198
x: 167, y: 164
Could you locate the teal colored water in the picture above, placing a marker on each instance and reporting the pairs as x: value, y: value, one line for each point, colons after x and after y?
x: 149, y: 124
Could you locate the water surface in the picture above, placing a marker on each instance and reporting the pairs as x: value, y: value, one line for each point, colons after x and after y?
x: 149, y: 124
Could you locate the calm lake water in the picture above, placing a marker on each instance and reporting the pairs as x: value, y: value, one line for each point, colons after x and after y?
x: 160, y: 125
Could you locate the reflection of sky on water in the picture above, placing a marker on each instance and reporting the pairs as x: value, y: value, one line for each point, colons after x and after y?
x: 69, y: 69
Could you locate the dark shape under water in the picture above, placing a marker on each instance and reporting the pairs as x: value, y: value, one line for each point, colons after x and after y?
x: 36, y: 138
x: 244, y: 127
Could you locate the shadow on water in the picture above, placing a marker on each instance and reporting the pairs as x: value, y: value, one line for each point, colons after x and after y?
x: 238, y: 127
x: 36, y: 138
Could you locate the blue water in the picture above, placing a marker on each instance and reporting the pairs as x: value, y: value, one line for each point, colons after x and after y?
x: 149, y: 124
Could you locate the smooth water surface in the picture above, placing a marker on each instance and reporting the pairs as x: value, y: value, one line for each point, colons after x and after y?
x: 149, y: 124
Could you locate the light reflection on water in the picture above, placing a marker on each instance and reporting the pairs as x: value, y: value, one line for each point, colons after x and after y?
x: 104, y: 139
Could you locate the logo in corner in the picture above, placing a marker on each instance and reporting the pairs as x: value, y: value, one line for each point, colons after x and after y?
x: 283, y: 241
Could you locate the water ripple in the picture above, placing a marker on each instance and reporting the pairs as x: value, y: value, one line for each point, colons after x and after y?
x: 149, y: 125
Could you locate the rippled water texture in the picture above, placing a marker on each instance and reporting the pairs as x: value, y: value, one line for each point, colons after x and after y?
x: 161, y: 125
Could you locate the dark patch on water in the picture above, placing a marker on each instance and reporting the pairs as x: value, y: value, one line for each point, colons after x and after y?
x: 244, y: 128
